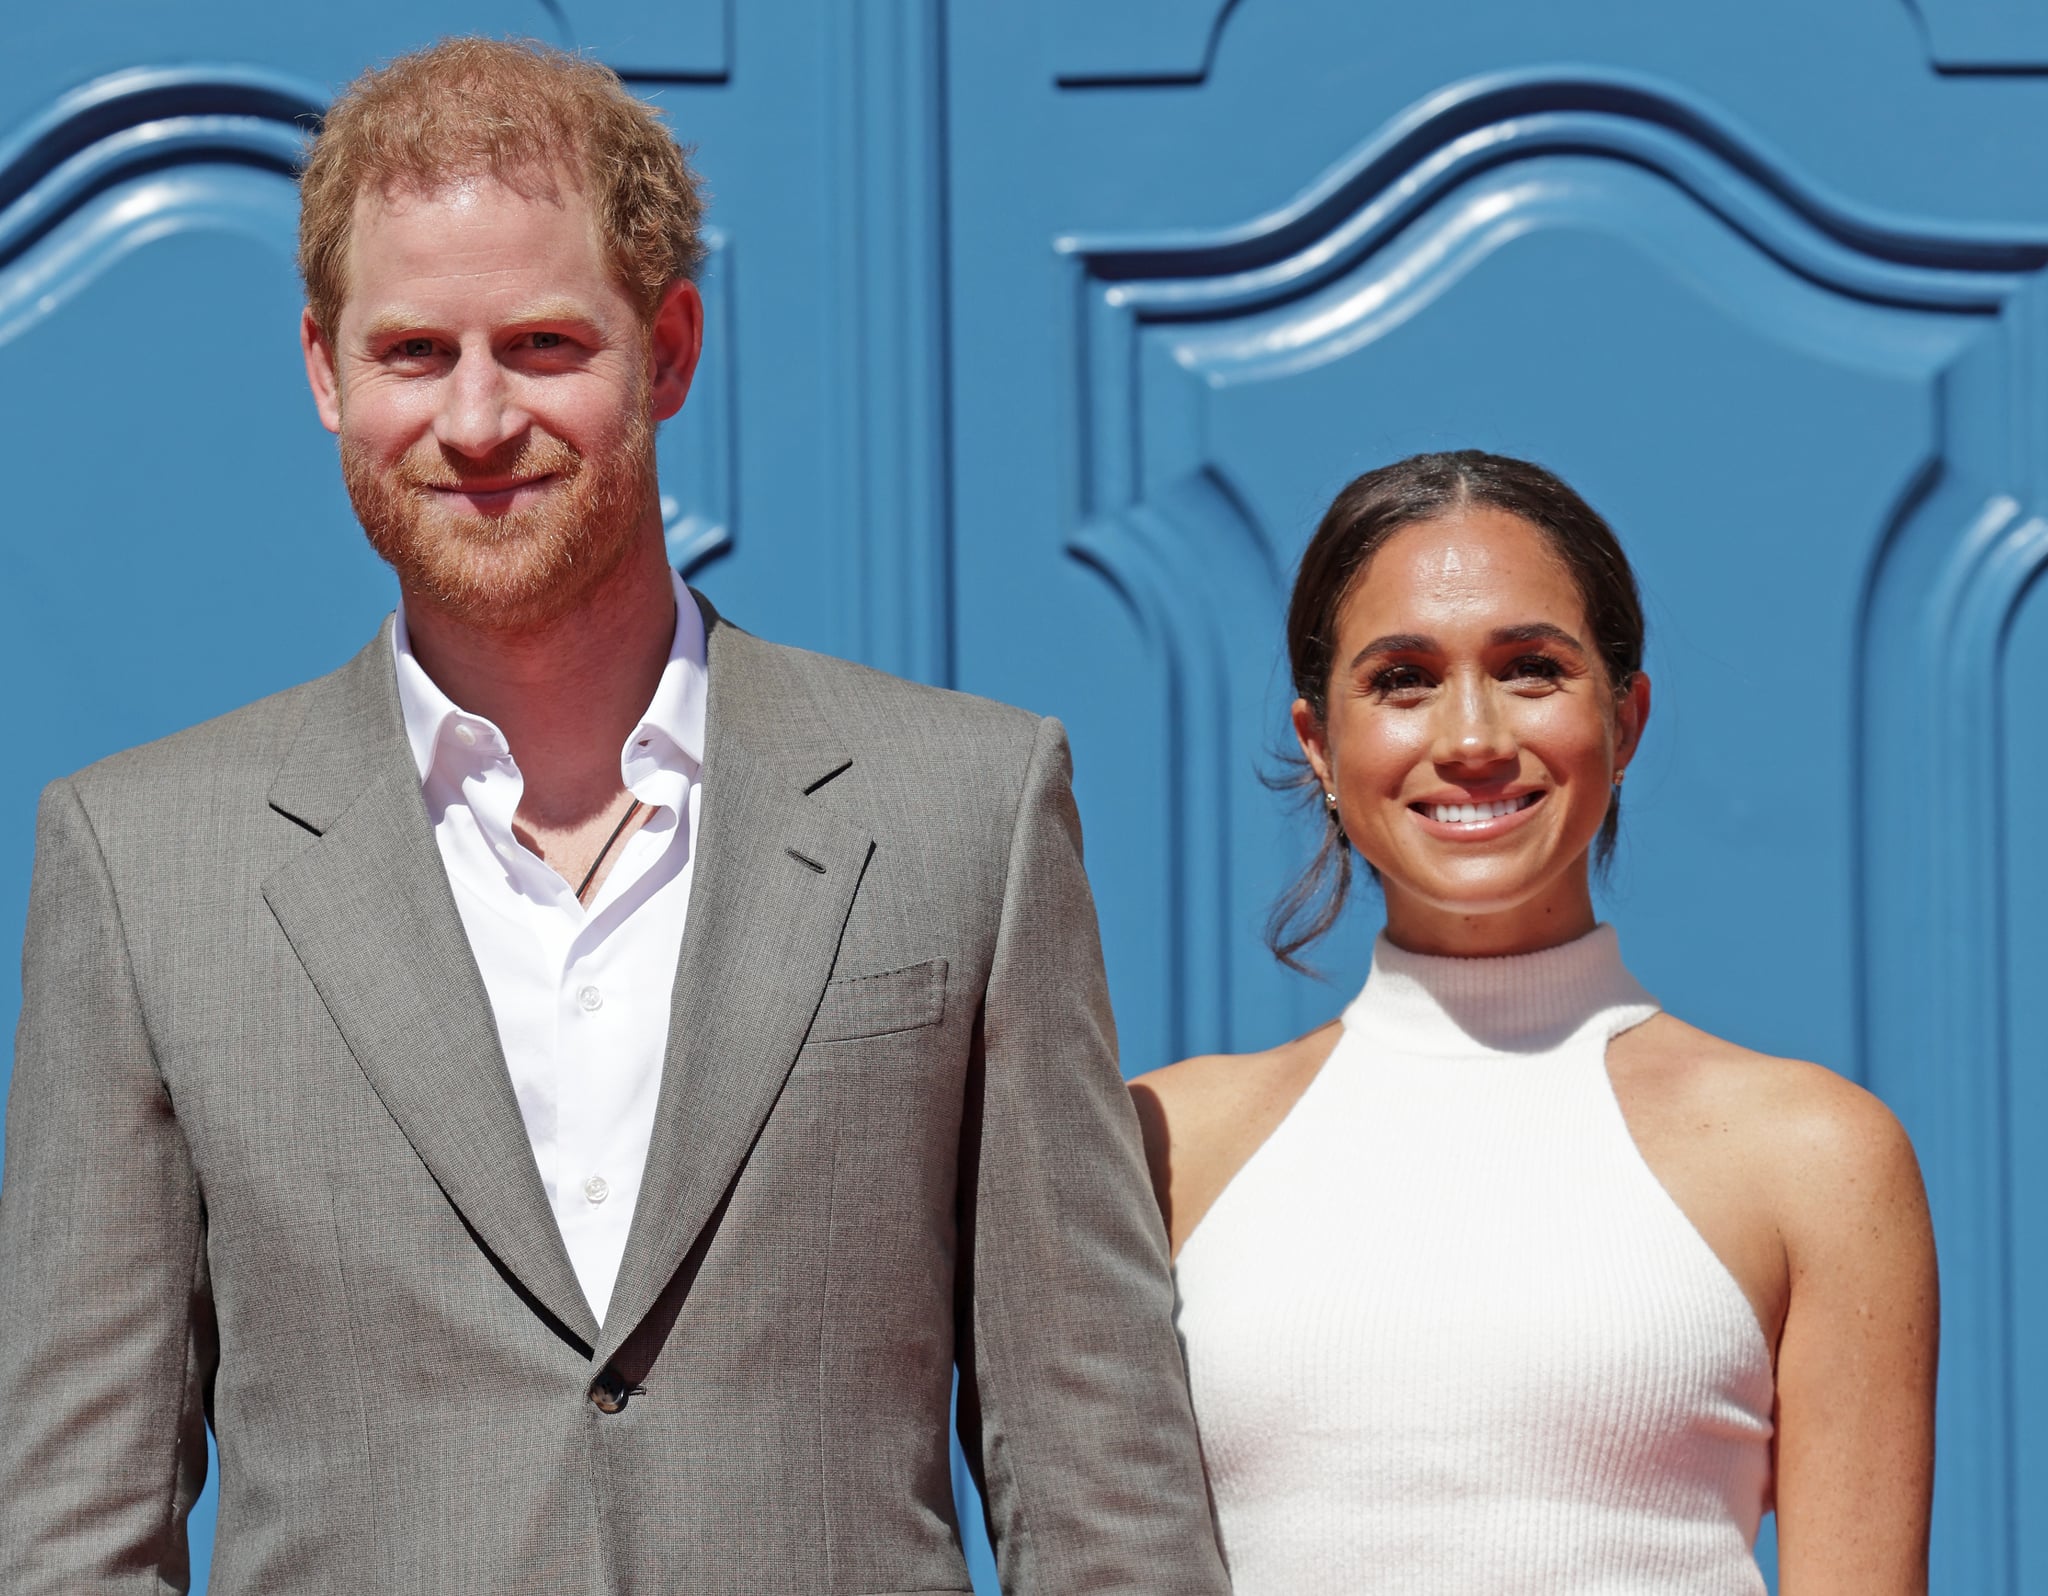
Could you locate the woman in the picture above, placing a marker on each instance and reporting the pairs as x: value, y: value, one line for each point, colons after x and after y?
x: 1506, y: 1281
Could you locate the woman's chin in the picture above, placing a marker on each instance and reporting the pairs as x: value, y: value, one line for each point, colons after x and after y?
x: 1498, y: 889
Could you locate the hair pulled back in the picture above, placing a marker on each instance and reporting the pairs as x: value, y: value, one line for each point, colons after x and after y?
x: 1360, y: 520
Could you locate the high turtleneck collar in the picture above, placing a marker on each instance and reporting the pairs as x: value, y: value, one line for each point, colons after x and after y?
x: 1423, y: 1003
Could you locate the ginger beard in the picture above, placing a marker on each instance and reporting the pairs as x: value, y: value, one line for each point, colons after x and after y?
x: 522, y: 569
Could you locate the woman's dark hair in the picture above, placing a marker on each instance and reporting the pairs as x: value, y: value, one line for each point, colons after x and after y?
x: 1357, y: 525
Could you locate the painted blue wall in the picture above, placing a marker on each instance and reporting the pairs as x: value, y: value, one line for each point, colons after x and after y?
x: 1041, y: 334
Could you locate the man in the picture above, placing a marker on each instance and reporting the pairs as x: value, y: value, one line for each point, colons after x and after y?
x: 560, y: 1093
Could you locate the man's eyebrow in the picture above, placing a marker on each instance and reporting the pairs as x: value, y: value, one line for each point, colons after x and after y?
x: 554, y: 309
x: 1538, y: 632
x: 391, y: 323
x: 1396, y: 643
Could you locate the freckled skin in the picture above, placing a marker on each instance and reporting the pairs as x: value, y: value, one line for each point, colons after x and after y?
x: 1802, y: 1184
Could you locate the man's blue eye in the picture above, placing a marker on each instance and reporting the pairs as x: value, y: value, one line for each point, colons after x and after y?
x: 417, y: 348
x: 546, y: 340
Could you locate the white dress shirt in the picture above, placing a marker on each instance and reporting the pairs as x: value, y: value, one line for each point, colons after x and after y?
x: 580, y: 995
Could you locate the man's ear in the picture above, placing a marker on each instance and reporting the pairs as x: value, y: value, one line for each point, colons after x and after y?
x: 321, y: 374
x: 1314, y: 738
x: 1631, y: 715
x: 675, y: 339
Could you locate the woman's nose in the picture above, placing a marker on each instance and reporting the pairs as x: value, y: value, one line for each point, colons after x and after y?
x: 1472, y: 731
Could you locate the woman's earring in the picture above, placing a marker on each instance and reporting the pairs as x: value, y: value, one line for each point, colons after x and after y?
x: 1618, y: 775
x: 1330, y: 806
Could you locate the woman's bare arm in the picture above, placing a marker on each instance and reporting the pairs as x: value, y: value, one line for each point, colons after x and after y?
x: 1855, y: 1441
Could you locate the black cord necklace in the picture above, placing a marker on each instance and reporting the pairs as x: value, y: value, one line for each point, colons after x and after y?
x: 632, y: 809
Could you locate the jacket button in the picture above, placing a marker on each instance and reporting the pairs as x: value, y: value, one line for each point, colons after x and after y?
x: 608, y: 1391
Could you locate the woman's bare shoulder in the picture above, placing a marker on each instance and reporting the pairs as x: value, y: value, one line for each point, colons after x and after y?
x: 1713, y: 1072
x: 1204, y: 1117
x: 1793, y: 1121
x: 1226, y: 1083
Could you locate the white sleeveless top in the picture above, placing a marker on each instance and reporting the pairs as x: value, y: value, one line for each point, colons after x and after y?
x: 1447, y: 1333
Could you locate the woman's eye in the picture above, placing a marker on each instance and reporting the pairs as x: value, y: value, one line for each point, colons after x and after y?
x: 1536, y: 667
x: 1399, y: 681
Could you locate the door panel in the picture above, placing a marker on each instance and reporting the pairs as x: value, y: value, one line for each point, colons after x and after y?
x: 58, y: 47
x: 2024, y: 1078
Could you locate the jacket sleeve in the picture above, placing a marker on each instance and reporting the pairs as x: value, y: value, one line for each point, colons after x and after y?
x: 105, y: 1345
x: 1073, y: 1396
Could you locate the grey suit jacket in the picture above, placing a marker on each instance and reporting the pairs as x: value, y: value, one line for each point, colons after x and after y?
x: 264, y: 1165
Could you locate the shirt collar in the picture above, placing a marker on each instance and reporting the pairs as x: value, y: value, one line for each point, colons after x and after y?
x: 670, y: 734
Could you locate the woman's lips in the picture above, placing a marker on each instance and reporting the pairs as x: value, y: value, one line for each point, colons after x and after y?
x: 1467, y: 820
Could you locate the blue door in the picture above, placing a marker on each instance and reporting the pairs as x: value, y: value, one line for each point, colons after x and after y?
x: 1039, y: 336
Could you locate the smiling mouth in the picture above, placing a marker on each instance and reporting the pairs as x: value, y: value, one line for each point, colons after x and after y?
x: 1475, y: 814
x: 479, y: 491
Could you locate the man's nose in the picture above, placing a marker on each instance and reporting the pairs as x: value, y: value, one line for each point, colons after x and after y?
x: 478, y: 411
x: 1472, y: 731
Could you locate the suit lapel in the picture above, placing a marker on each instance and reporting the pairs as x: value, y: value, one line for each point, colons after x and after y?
x: 774, y: 881
x: 369, y: 913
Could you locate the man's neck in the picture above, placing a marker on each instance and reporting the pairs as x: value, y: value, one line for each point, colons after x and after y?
x: 566, y: 694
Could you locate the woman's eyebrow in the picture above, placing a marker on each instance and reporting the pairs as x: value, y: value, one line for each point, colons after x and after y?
x: 1537, y: 632
x: 1396, y: 643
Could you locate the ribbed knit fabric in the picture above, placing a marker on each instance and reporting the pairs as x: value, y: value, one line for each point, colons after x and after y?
x: 1445, y: 1330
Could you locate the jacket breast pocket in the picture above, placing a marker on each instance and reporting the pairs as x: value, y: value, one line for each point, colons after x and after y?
x: 876, y: 1005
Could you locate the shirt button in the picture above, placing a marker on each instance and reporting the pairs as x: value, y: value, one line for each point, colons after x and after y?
x: 596, y: 1189
x: 590, y: 998
x: 465, y: 734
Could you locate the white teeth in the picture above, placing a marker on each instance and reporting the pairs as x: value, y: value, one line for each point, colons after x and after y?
x: 1471, y: 814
